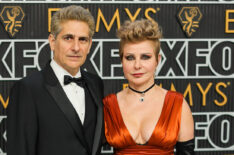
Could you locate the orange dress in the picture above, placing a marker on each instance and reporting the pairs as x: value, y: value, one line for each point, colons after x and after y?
x: 163, y: 138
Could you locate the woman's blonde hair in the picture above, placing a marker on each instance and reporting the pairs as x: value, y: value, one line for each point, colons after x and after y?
x: 139, y: 30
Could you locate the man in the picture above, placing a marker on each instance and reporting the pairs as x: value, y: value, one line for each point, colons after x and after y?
x: 52, y: 112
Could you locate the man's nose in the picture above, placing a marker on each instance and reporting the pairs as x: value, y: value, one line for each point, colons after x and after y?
x: 76, y: 45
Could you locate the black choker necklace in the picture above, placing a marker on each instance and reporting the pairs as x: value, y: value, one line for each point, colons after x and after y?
x: 141, y: 92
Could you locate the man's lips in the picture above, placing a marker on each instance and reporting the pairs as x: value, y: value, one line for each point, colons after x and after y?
x: 74, y: 56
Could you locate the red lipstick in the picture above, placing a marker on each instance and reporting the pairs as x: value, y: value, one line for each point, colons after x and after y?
x: 137, y: 74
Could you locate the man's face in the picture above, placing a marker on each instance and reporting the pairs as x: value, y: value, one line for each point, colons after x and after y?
x: 72, y: 45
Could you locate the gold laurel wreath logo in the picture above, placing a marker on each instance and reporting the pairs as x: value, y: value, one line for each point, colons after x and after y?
x: 189, y: 18
x: 12, y: 17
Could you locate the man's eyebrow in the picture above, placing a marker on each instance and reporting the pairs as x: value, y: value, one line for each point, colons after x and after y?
x: 80, y: 37
x: 68, y: 34
x: 83, y: 37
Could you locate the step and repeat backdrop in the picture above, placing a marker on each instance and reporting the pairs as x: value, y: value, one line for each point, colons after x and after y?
x: 197, y: 51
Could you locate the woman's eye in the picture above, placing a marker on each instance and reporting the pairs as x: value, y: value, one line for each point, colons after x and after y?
x: 130, y: 57
x: 145, y: 57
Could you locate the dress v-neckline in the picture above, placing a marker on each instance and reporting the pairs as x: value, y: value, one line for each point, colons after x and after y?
x: 124, y: 125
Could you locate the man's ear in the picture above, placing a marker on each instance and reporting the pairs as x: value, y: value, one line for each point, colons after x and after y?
x: 51, y: 39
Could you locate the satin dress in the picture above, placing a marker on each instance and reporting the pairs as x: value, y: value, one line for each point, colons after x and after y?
x: 163, y: 138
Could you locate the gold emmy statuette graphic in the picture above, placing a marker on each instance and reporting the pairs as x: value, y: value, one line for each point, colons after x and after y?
x: 12, y: 17
x: 189, y: 18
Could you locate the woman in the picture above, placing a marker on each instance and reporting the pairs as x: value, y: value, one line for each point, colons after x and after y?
x: 145, y: 118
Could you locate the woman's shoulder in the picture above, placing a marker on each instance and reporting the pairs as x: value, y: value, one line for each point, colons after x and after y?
x: 113, y: 97
x: 175, y: 93
x: 170, y: 95
x: 109, y: 99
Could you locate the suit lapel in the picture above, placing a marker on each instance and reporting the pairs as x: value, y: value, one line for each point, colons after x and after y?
x: 98, y: 101
x: 56, y: 91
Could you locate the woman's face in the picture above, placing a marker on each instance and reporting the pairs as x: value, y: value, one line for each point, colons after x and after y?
x: 139, y: 62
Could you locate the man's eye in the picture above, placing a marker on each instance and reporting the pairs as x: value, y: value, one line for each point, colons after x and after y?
x: 68, y: 37
x: 83, y: 39
x: 145, y: 57
x: 130, y: 57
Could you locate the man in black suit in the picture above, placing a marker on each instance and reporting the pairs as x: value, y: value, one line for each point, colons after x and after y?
x: 58, y: 110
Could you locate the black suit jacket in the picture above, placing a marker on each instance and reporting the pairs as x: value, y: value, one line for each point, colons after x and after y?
x: 42, y: 121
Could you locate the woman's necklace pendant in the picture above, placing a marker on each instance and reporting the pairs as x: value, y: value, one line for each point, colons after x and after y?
x: 142, y: 92
x: 142, y: 97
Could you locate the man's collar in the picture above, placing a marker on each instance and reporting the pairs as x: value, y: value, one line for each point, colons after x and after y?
x: 60, y: 71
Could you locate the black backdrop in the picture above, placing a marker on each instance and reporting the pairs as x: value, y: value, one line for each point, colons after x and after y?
x: 197, y: 55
